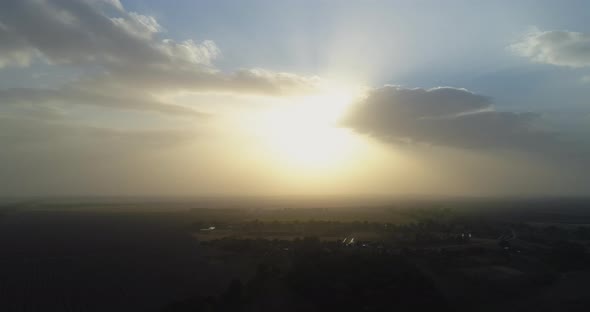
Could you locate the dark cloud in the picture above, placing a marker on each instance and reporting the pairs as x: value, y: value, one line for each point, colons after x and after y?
x: 563, y: 48
x: 442, y: 116
x: 14, y: 50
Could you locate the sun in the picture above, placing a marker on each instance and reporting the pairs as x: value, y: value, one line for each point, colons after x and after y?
x: 303, y: 134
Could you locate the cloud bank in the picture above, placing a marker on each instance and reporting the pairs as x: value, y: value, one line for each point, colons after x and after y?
x: 442, y: 116
x: 124, y: 54
x: 79, y: 32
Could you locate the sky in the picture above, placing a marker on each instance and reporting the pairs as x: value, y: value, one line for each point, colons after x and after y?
x: 266, y: 98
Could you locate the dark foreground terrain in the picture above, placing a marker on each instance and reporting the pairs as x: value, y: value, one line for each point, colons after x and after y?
x: 248, y: 255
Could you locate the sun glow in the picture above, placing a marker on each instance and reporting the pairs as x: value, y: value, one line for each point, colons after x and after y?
x: 303, y: 134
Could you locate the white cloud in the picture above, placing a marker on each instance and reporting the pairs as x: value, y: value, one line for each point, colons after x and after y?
x: 562, y: 48
x: 139, y: 25
x: 191, y: 52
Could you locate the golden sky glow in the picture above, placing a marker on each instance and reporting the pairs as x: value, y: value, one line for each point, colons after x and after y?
x: 143, y: 98
x: 303, y: 133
